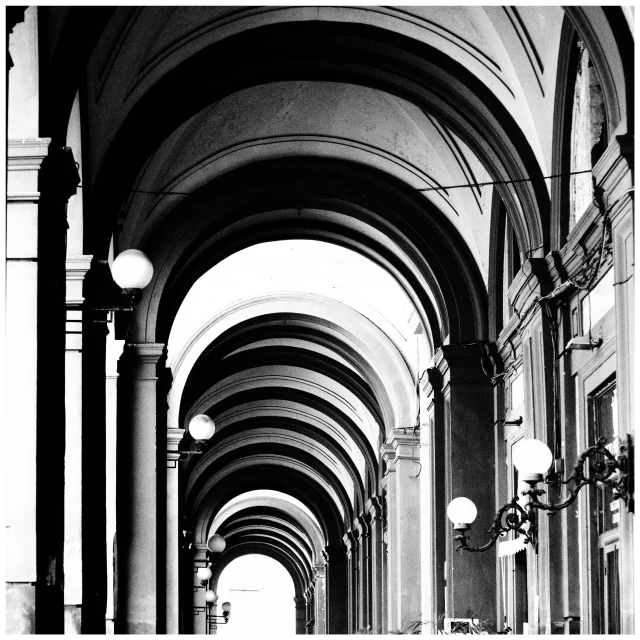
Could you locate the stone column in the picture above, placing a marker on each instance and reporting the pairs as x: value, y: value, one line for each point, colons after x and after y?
x: 138, y: 508
x: 351, y: 543
x: 613, y: 173
x: 433, y: 474
x: 374, y: 509
x: 406, y: 445
x: 544, y: 581
x: 320, y: 598
x: 467, y: 433
x: 311, y: 620
x: 361, y: 529
x: 24, y: 158
x: 389, y: 485
x: 114, y: 351
x: 198, y: 603
x: 301, y: 615
x: 76, y: 268
x: 337, y: 598
x: 173, y: 531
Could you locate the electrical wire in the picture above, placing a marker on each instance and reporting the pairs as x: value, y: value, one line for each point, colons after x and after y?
x: 486, y: 184
x: 422, y: 190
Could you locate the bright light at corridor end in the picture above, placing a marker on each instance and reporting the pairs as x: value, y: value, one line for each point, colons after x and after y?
x: 132, y: 269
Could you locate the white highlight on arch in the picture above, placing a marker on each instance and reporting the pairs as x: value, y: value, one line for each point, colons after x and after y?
x: 378, y: 349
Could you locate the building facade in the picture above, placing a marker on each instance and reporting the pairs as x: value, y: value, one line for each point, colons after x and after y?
x: 482, y: 156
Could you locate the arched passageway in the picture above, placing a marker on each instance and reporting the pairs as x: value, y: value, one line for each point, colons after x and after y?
x: 362, y: 274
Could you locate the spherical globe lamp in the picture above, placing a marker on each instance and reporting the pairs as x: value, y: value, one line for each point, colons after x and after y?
x: 201, y: 427
x: 532, y: 458
x: 462, y: 512
x: 216, y: 543
x: 204, y: 574
x: 210, y: 596
x: 132, y: 269
x: 226, y: 607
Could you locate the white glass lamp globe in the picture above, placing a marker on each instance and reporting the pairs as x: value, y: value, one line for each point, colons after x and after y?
x: 461, y: 511
x: 201, y: 427
x: 226, y: 607
x: 132, y: 269
x: 209, y: 595
x: 204, y: 574
x: 532, y: 458
x: 216, y: 543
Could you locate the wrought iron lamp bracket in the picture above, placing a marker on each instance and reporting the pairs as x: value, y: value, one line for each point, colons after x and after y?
x: 602, y: 464
x: 510, y: 517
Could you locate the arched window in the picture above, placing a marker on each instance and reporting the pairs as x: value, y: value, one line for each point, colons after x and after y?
x: 587, y: 132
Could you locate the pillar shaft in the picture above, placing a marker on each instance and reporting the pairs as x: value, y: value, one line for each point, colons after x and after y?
x: 336, y: 589
x: 138, y: 510
x: 374, y: 509
x: 198, y: 602
x: 114, y: 351
x: 77, y: 267
x: 404, y: 556
x: 301, y: 615
x: 173, y: 532
x: 467, y: 435
x: 320, y: 598
x: 614, y: 174
x: 24, y: 158
x: 391, y: 569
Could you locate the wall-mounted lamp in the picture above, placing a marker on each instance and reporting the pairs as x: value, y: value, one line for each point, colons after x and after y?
x: 132, y: 272
x: 120, y: 288
x: 532, y: 458
x: 226, y: 611
x: 201, y: 428
x: 204, y: 575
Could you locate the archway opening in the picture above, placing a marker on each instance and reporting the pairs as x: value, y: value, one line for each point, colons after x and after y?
x: 261, y: 594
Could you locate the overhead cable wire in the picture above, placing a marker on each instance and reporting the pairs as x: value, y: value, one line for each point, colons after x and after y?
x: 422, y: 190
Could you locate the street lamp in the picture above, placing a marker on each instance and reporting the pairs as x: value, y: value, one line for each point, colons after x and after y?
x: 532, y: 458
x: 201, y: 428
x: 132, y: 271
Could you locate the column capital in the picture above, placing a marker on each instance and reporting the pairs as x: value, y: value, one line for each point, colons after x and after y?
x: 174, y: 436
x: 432, y: 385
x: 320, y: 569
x: 300, y: 602
x: 530, y: 283
x: 361, y: 524
x: 77, y: 268
x: 141, y: 359
x: 613, y: 170
x: 25, y: 156
x: 351, y: 541
x: 387, y: 452
x: 59, y: 176
x: 148, y: 351
x: 404, y: 443
x: 374, y: 507
x: 460, y: 364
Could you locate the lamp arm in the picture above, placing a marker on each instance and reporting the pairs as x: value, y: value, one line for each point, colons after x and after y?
x: 510, y: 517
x: 601, y: 470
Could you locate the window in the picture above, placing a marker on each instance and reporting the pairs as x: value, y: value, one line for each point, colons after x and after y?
x: 587, y: 132
x: 603, y: 423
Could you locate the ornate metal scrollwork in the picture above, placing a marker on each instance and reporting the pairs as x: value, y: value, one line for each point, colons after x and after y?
x: 510, y: 517
x: 602, y: 464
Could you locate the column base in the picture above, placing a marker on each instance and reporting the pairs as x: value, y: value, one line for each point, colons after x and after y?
x: 21, y: 608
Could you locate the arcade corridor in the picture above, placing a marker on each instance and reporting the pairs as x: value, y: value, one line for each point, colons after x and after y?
x: 298, y: 281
